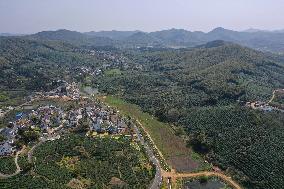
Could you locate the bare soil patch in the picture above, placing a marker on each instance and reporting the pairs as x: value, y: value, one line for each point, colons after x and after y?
x: 183, y: 163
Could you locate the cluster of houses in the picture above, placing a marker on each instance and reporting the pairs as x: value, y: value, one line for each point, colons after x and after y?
x: 4, y: 110
x: 260, y: 106
x: 66, y: 91
x: 104, y: 120
x: 2, y: 113
x: 73, y: 91
x: 115, y: 58
x: 49, y: 121
x: 43, y: 121
x: 88, y: 70
x: 8, y: 135
x: 267, y: 106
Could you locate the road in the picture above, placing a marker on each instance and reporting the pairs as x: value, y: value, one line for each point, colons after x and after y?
x: 18, y: 168
x: 153, y: 143
x: 158, y: 176
x: 163, y: 174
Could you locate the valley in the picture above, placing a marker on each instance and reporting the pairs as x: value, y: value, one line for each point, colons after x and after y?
x: 148, y: 117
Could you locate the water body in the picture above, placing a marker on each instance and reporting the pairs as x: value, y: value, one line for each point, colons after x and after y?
x: 211, y: 184
x: 90, y: 90
x: 28, y: 107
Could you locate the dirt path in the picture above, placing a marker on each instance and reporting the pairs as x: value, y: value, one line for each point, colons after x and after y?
x: 222, y: 176
x: 174, y: 175
x: 30, y: 153
x: 18, y: 168
x: 273, y: 96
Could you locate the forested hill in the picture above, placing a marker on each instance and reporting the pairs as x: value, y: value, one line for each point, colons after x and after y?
x: 205, y: 76
x: 73, y: 37
x: 203, y: 90
x: 173, y: 38
x: 31, y: 65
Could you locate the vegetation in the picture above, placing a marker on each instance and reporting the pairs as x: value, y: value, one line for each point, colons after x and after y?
x: 8, y: 165
x: 278, y: 100
x: 113, y: 72
x: 172, y: 147
x: 173, y: 81
x: 261, y: 40
x: 242, y: 141
x: 203, y: 91
x: 28, y: 65
x: 76, y: 159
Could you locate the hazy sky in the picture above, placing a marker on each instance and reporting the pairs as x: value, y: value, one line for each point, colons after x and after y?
x: 29, y: 16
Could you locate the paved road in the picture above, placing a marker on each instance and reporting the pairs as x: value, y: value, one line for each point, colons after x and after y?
x: 18, y: 168
x: 152, y: 141
x: 160, y: 173
x: 158, y: 176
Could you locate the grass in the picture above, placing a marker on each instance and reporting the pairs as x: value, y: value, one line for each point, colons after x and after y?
x: 170, y: 145
x: 113, y: 72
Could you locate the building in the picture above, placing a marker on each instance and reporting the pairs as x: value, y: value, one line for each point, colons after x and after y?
x: 6, y: 149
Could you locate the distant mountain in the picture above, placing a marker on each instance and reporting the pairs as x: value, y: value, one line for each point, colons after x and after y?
x: 257, y: 39
x: 10, y: 34
x: 116, y: 35
x: 222, y: 34
x: 260, y: 40
x: 73, y: 37
x: 278, y: 31
x: 212, y: 44
x: 253, y: 30
x: 142, y: 38
x: 59, y: 35
x: 178, y: 37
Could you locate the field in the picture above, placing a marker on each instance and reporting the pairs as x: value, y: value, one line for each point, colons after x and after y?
x: 172, y: 147
x: 113, y: 72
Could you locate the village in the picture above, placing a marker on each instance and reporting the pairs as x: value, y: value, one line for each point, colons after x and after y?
x: 49, y: 122
x: 268, y: 106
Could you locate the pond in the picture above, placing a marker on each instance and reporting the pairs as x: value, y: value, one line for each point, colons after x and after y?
x: 211, y: 184
x: 90, y: 90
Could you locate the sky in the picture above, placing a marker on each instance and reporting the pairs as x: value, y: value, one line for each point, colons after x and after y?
x: 31, y: 16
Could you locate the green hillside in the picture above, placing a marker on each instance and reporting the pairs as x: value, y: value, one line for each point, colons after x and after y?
x: 32, y: 65
x: 203, y: 90
x: 180, y: 79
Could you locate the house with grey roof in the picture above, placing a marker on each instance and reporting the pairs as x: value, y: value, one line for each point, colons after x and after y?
x: 6, y: 149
